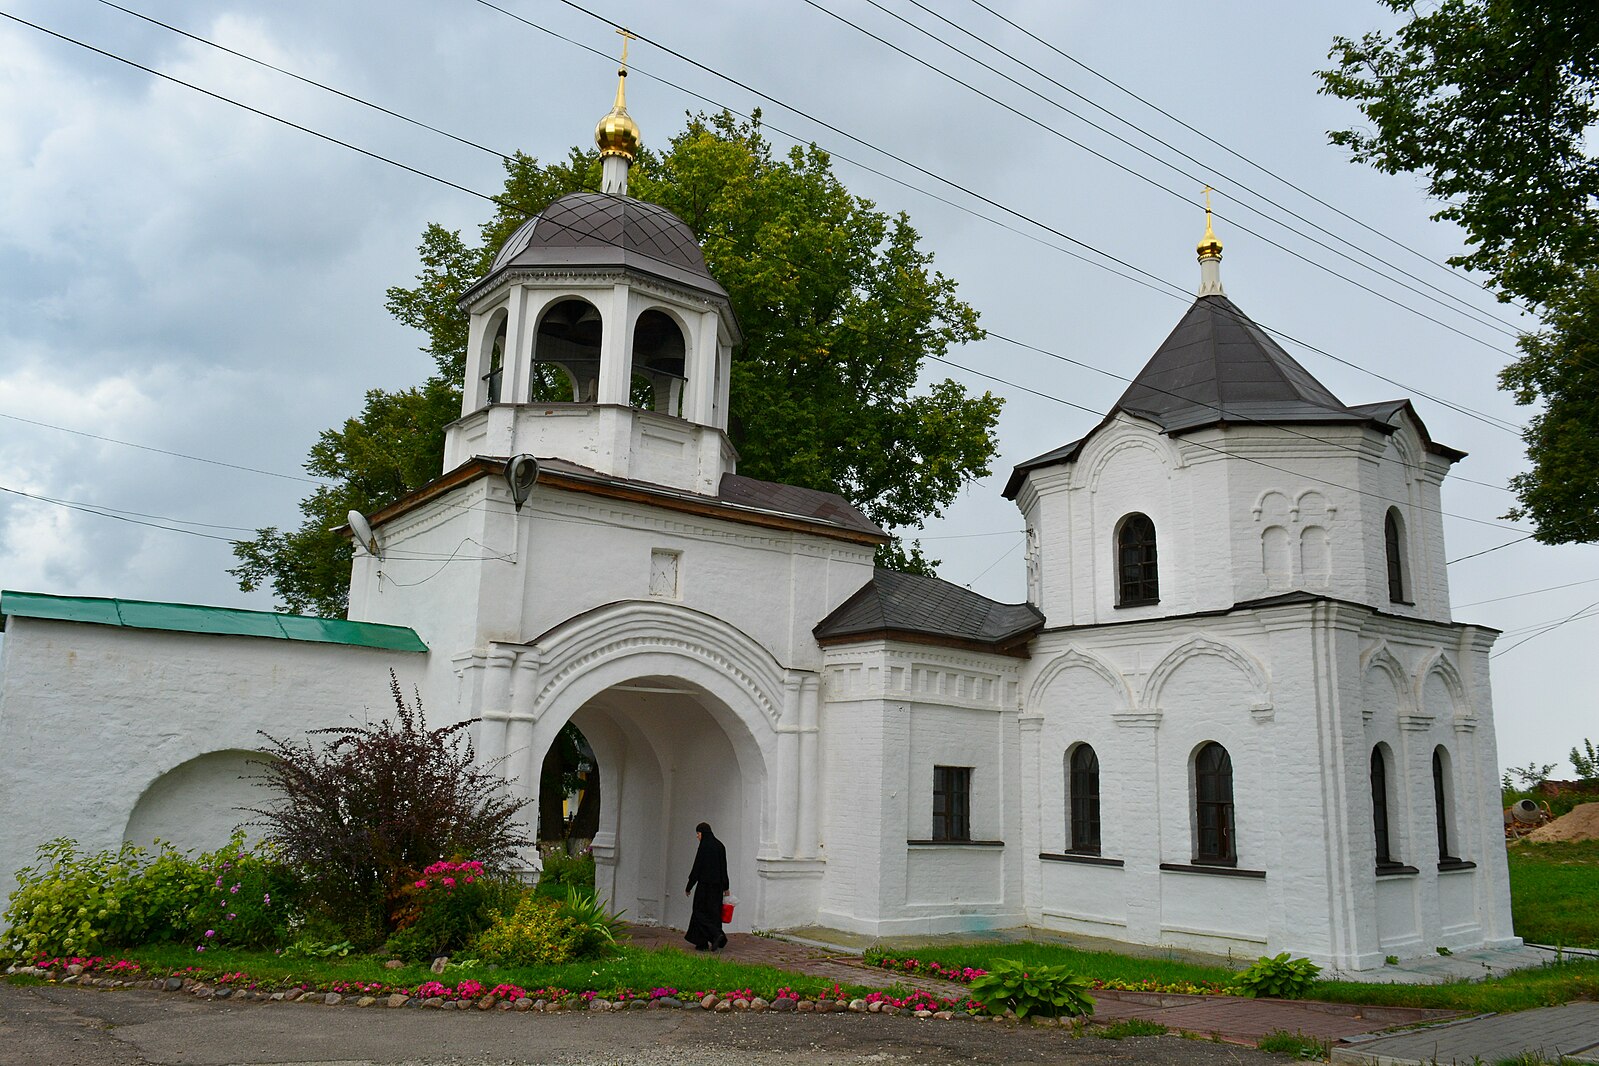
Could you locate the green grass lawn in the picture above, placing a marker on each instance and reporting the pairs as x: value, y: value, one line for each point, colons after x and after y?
x: 1554, y: 892
x: 636, y: 969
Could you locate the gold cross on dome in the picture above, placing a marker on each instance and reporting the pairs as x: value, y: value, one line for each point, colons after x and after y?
x: 1207, y: 188
x: 626, y: 37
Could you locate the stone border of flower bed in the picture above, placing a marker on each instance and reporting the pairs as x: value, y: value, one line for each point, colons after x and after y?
x: 875, y: 1003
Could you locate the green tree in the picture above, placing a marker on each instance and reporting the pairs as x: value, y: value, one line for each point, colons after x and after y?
x: 1493, y: 101
x: 838, y: 304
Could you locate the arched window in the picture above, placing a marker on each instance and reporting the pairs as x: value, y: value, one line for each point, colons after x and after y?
x: 496, y: 371
x: 1137, y: 577
x: 1393, y: 536
x: 659, y: 354
x: 1379, y: 808
x: 1441, y: 800
x: 566, y: 353
x: 1082, y: 786
x: 1213, y: 807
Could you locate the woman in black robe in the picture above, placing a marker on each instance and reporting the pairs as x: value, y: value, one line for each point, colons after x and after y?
x: 708, y: 882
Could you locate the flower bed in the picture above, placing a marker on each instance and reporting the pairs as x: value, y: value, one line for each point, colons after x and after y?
x: 966, y: 975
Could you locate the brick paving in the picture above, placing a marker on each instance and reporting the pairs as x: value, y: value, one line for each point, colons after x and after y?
x: 1229, y: 1018
x: 1568, y: 1033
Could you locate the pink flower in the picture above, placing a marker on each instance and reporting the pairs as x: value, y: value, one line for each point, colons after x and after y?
x: 210, y: 932
x: 421, y: 884
x: 450, y: 881
x: 235, y: 888
x: 200, y: 948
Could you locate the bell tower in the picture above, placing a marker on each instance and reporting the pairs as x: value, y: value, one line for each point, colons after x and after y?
x: 599, y: 337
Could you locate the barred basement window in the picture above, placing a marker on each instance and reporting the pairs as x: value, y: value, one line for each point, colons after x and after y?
x: 1083, y: 788
x: 1213, y: 807
x: 952, y: 803
x: 1137, y: 575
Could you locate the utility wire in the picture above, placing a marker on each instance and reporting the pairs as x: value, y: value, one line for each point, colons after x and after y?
x: 120, y: 517
x: 1446, y: 268
x: 164, y: 451
x: 1235, y: 455
x: 253, y: 110
x: 1158, y: 282
x: 1548, y: 629
x: 484, y: 196
x: 1464, y: 308
x: 308, y: 81
x: 1485, y: 551
x: 1534, y: 592
x: 1052, y: 131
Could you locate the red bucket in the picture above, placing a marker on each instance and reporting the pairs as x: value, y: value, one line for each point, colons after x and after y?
x: 727, y: 913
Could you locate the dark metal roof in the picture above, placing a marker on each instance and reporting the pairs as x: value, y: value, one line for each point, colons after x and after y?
x: 592, y: 229
x: 794, y: 500
x: 893, y: 604
x: 193, y: 618
x: 1219, y: 367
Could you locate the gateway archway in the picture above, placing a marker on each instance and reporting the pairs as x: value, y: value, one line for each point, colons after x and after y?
x: 681, y: 711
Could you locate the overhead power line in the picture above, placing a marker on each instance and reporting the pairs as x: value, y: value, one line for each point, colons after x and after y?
x: 598, y: 236
x: 1061, y: 135
x: 1119, y: 87
x: 123, y: 516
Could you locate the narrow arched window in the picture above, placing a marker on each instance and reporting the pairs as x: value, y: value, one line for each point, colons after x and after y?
x: 1213, y: 807
x: 1137, y: 576
x: 1440, y: 803
x: 1379, y: 808
x: 496, y: 371
x: 1393, y: 536
x: 1083, y: 789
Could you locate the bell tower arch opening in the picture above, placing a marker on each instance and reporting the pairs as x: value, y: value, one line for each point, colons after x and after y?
x: 659, y: 363
x: 566, y: 353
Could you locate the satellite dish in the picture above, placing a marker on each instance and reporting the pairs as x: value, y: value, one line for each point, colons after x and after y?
x: 521, y: 471
x: 363, y: 532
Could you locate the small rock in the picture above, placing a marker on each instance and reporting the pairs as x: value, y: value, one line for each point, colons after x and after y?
x: 276, y: 997
x: 523, y: 1004
x: 724, y: 1007
x: 1043, y: 1022
x: 874, y: 1006
x: 653, y: 1004
x: 487, y: 1002
x: 741, y: 1004
x: 759, y: 1004
x: 200, y: 991
x: 463, y: 1004
x: 398, y: 999
x: 75, y: 969
x: 857, y: 1005
x: 222, y: 993
x: 366, y: 1001
x: 540, y: 1004
x: 69, y: 980
x: 503, y: 1004
x: 435, y: 1002
x: 709, y: 1002
x: 394, y: 964
x: 172, y: 984
x: 784, y: 1004
x: 332, y: 999
x: 943, y: 1015
x: 889, y: 1008
x: 637, y: 1004
x: 599, y: 1004
x: 440, y: 963
x: 924, y: 1014
x: 805, y: 1006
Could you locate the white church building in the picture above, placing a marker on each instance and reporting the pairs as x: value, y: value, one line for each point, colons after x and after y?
x: 1233, y: 715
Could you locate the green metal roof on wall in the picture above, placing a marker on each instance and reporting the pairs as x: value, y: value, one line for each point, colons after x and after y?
x: 193, y: 618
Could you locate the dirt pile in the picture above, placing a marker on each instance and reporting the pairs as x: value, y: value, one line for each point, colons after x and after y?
x: 1581, y: 824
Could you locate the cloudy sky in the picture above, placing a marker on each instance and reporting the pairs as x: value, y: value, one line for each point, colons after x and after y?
x: 183, y: 280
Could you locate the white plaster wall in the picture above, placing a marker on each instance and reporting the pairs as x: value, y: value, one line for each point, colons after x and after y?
x: 92, y: 716
x: 199, y: 804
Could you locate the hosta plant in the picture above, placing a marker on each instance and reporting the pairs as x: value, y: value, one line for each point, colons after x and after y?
x: 1277, y: 977
x: 1051, y: 991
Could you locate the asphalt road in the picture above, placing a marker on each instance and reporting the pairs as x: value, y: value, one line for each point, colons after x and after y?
x: 48, y: 1024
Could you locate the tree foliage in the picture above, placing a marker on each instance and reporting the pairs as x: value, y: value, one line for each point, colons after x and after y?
x: 359, y: 811
x: 838, y: 304
x: 1493, y: 102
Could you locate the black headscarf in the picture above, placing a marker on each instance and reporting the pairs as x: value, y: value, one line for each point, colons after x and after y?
x: 710, y: 864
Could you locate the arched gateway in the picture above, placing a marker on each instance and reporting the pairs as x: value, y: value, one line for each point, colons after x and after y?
x: 686, y: 715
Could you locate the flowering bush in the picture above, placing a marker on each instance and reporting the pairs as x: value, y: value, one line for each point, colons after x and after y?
x: 967, y: 974
x: 362, y: 808
x: 535, y: 933
x: 71, y: 904
x: 443, y: 909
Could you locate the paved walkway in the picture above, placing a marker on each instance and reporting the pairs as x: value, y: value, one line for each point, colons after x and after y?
x: 1229, y: 1018
x: 1549, y: 1033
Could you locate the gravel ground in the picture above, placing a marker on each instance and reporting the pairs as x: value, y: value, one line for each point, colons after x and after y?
x: 43, y: 1024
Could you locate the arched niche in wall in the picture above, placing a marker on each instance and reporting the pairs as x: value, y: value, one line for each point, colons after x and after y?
x: 566, y: 352
x: 198, y: 804
x: 494, y: 343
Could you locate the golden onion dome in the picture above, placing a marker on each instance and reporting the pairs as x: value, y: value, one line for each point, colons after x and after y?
x: 617, y: 133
